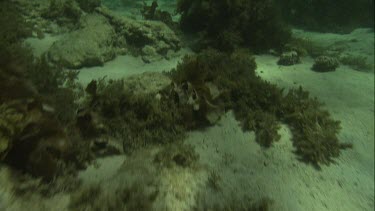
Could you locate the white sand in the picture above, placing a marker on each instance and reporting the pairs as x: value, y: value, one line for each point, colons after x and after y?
x: 123, y: 66
x: 248, y: 171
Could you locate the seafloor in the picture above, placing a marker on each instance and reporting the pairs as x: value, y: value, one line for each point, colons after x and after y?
x: 239, y: 168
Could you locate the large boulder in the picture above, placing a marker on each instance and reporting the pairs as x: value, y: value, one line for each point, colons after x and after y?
x: 152, y: 40
x: 91, y: 45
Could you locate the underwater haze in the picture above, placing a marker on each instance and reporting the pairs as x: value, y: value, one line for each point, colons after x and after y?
x: 187, y: 105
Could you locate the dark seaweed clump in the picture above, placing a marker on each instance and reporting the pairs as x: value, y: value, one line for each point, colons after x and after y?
x: 205, y: 86
x: 35, y: 112
x: 152, y: 13
x: 329, y: 16
x: 226, y: 25
x: 261, y: 106
x: 139, y: 120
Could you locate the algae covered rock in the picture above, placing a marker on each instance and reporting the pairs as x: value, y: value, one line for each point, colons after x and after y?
x: 63, y: 12
x: 11, y: 122
x: 89, y: 5
x: 176, y: 154
x: 325, y: 64
x: 149, y: 54
x: 289, y: 58
x: 90, y: 45
x: 143, y: 37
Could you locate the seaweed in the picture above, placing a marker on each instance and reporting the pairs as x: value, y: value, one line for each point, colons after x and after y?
x: 239, y: 89
x: 176, y: 154
x: 314, y: 131
x: 33, y: 137
x: 325, y: 64
x: 265, y: 126
x: 152, y: 13
x: 139, y: 120
x: 225, y: 24
x: 259, y: 105
x: 13, y: 29
x: 58, y: 87
x: 128, y: 197
x: 213, y: 180
x: 304, y: 47
x: 340, y: 16
x: 13, y: 25
x: 35, y: 142
x: 244, y: 204
x: 64, y: 12
x: 358, y: 63
x: 89, y: 5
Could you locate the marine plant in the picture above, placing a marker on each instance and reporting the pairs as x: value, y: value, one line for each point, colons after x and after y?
x: 152, y: 13
x: 139, y: 120
x: 13, y: 29
x: 259, y: 105
x: 176, y: 154
x: 88, y: 5
x: 34, y: 139
x: 340, y: 16
x: 225, y: 25
x: 325, y: 64
x: 305, y: 47
x: 127, y: 197
x: 64, y: 12
x: 359, y: 63
x: 314, y: 131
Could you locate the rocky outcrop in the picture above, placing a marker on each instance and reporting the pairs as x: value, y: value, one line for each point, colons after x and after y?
x: 91, y: 45
x: 152, y: 40
x: 103, y: 35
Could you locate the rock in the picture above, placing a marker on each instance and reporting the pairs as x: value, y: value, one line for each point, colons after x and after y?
x: 90, y: 45
x: 88, y: 5
x: 62, y: 11
x: 138, y: 34
x: 147, y: 83
x: 325, y: 64
x: 149, y: 54
x: 289, y: 58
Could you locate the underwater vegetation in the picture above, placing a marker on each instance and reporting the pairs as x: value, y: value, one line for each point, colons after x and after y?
x: 314, y: 131
x: 46, y: 133
x: 328, y: 16
x: 325, y: 64
x: 138, y: 120
x: 176, y: 154
x: 226, y: 25
x: 260, y: 106
x: 152, y: 13
x: 357, y: 62
x: 36, y: 110
x: 130, y: 197
x: 289, y: 58
x: 13, y: 29
x: 68, y: 12
x: 64, y: 12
